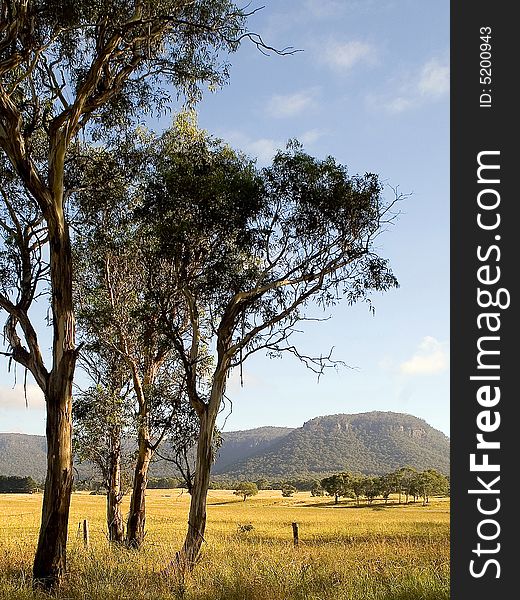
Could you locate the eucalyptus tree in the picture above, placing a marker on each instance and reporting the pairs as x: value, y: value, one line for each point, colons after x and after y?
x: 405, y: 478
x: 117, y: 277
x: 64, y: 67
x: 430, y: 482
x: 253, y: 253
x: 371, y: 488
x: 386, y: 486
x: 337, y: 485
x: 246, y: 489
x: 102, y: 420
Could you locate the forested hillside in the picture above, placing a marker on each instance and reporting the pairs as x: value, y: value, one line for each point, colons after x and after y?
x: 371, y: 443
x: 374, y: 442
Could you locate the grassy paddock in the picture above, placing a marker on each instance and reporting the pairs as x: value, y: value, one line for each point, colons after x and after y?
x: 378, y: 552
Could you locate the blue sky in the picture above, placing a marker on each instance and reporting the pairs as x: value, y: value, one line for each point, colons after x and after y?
x: 370, y: 88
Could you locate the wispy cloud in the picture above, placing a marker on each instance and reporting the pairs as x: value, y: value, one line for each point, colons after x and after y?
x: 310, y: 136
x: 290, y: 105
x: 434, y: 79
x: 430, y: 82
x: 263, y: 149
x: 343, y: 56
x: 430, y: 358
x: 15, y: 397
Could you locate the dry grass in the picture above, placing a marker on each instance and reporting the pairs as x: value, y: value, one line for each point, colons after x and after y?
x: 346, y: 553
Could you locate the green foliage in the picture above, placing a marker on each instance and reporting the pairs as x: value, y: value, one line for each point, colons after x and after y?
x: 337, y: 485
x: 263, y: 484
x: 246, y: 489
x: 199, y: 203
x: 282, y: 455
x: 163, y: 483
x: 404, y: 480
x: 317, y: 490
x: 374, y: 442
x: 371, y: 488
x: 144, y: 49
x: 288, y: 491
x: 17, y: 485
x: 430, y: 483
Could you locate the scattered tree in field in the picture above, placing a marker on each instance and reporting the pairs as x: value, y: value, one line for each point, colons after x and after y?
x: 163, y: 483
x: 250, y: 251
x: 338, y: 485
x: 288, y: 491
x: 386, y: 486
x: 317, y: 490
x: 431, y: 482
x: 263, y: 484
x: 405, y: 479
x: 246, y: 489
x: 101, y: 416
x: 371, y: 488
x: 59, y: 68
x: 357, y: 485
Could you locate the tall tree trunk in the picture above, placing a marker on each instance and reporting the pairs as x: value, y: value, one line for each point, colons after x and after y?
x: 207, y: 414
x: 197, y: 514
x: 50, y: 559
x: 135, y: 529
x: 115, y: 522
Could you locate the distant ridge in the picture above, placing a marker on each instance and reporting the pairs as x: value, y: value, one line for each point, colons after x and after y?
x: 23, y: 455
x: 371, y: 442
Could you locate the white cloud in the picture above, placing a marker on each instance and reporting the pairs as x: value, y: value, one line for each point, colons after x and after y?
x: 342, y: 56
x: 434, y: 79
x: 261, y: 148
x: 264, y: 149
x: 14, y: 397
x: 310, y: 136
x: 429, y: 82
x: 399, y: 104
x: 431, y: 358
x: 290, y: 105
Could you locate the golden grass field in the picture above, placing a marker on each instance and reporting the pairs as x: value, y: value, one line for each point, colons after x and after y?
x: 373, y: 552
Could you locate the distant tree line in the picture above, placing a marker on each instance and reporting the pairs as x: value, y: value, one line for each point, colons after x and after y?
x: 406, y: 482
x: 17, y: 485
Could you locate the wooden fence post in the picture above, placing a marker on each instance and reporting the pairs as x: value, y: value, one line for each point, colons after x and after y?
x: 295, y: 533
x: 86, y: 538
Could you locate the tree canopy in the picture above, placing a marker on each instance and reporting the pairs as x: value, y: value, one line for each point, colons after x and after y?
x: 246, y: 489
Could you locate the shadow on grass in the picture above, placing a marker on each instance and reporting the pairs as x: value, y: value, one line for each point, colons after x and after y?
x: 373, y: 506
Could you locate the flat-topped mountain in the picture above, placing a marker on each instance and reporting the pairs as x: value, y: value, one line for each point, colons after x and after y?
x: 372, y: 443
